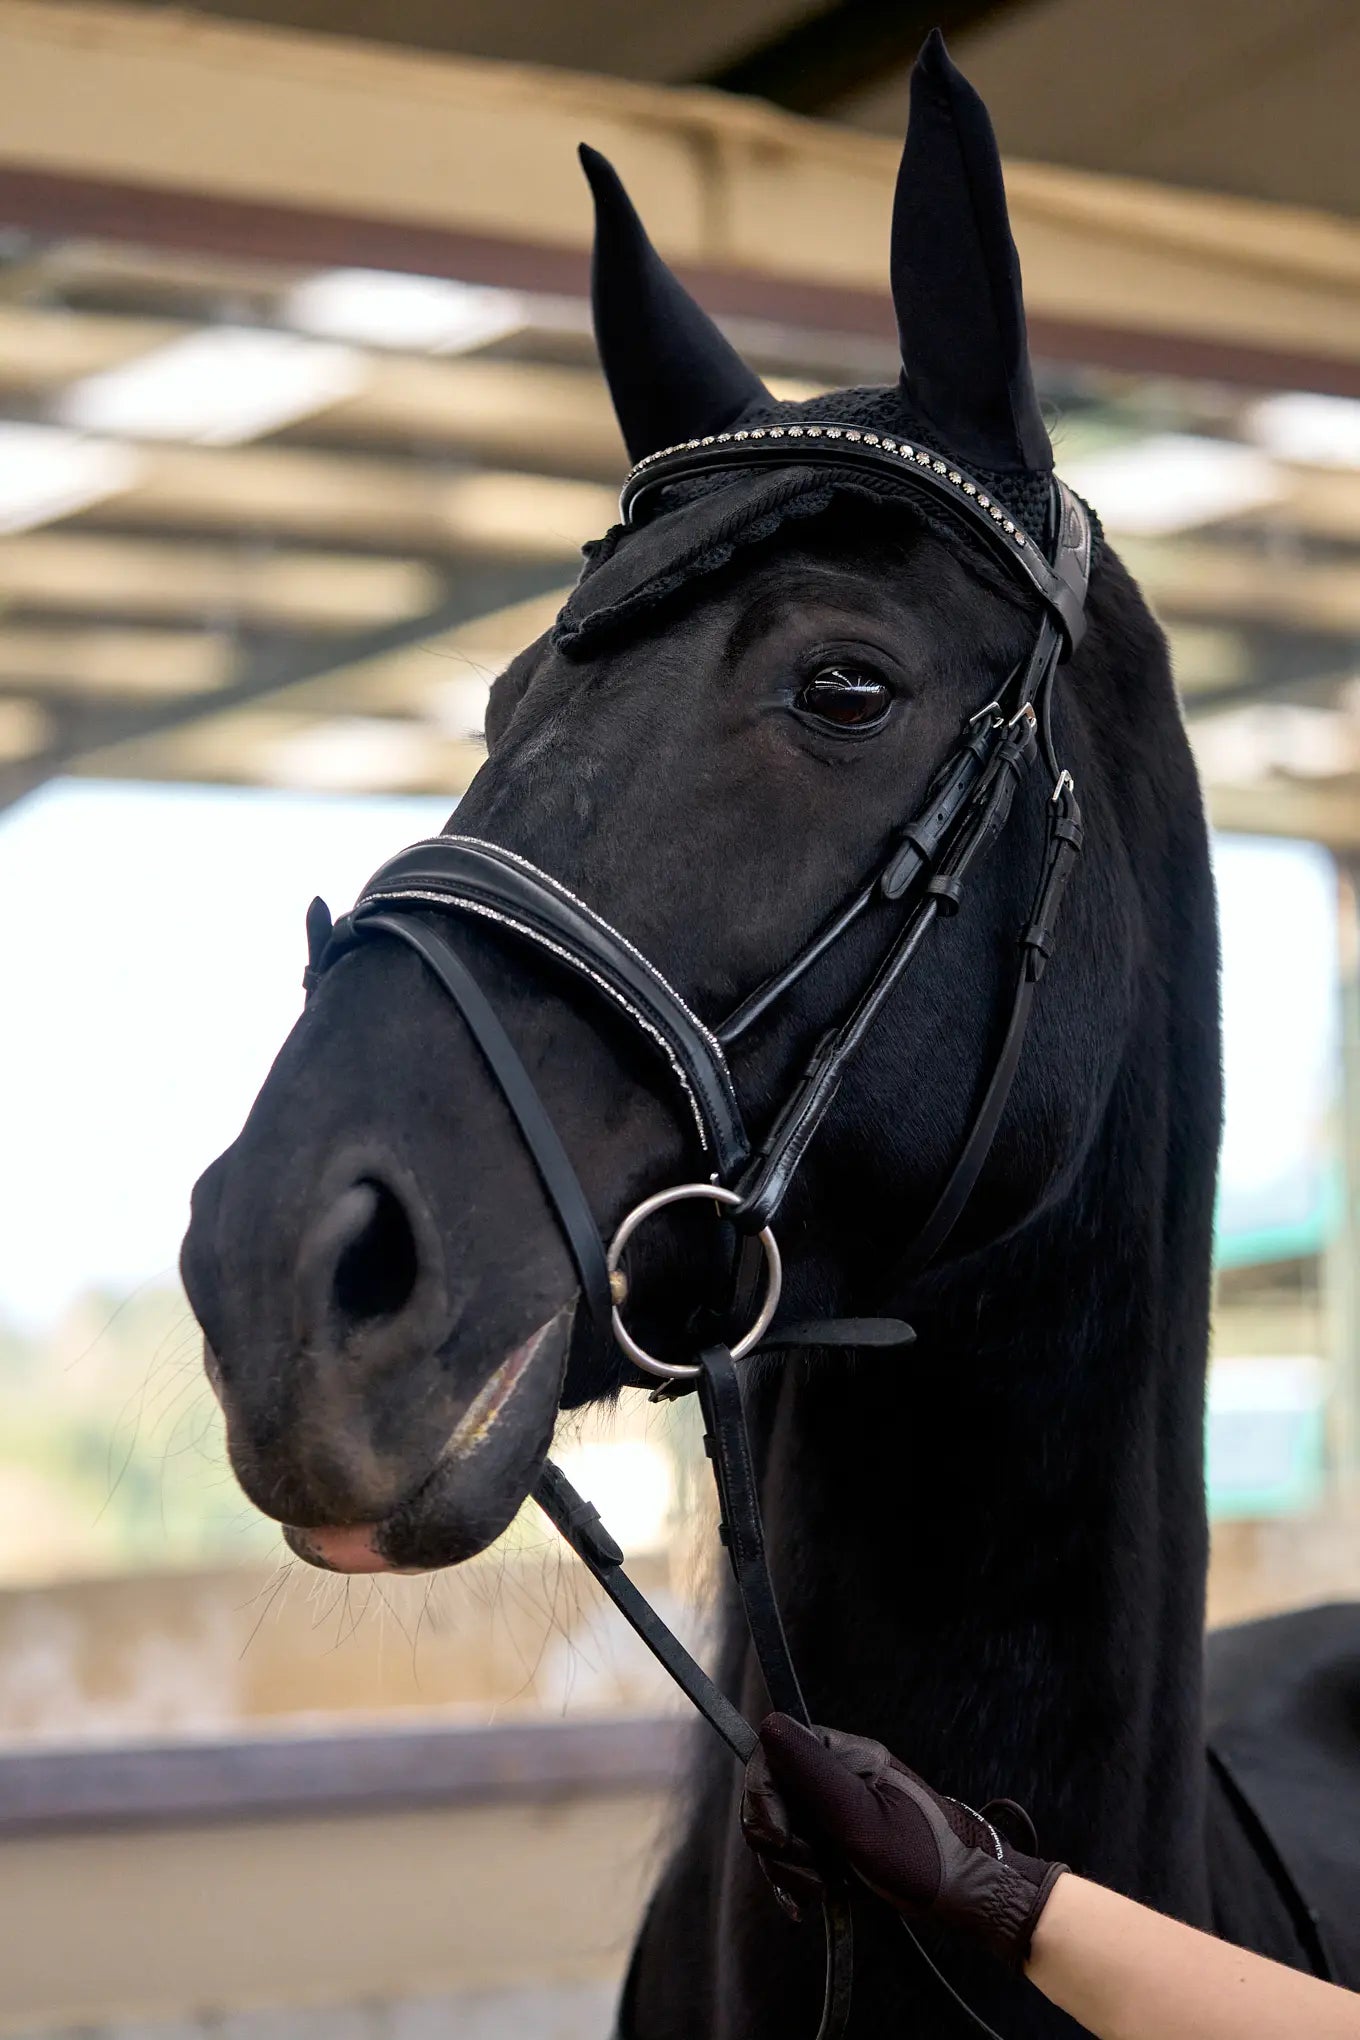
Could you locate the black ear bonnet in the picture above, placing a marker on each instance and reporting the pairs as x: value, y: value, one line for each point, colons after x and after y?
x: 966, y: 391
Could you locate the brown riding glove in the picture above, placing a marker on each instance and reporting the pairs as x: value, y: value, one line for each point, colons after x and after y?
x: 930, y: 1857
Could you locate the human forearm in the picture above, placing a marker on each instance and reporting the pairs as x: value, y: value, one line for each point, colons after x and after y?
x: 1130, y: 1974
x: 1125, y: 1972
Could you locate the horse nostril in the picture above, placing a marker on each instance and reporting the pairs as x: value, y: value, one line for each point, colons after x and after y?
x: 368, y: 1273
x: 376, y: 1268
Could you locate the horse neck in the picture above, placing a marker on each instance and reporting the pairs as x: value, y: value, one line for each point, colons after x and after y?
x: 991, y: 1547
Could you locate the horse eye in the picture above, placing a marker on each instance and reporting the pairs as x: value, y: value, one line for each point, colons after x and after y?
x: 847, y: 697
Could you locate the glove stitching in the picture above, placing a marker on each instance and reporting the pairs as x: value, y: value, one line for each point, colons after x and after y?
x: 982, y: 1821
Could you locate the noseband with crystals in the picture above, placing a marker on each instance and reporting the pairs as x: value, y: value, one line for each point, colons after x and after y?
x: 927, y: 869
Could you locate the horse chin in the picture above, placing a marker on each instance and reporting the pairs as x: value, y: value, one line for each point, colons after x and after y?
x: 482, y: 1475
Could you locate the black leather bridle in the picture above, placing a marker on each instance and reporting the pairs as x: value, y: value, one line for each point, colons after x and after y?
x: 925, y: 875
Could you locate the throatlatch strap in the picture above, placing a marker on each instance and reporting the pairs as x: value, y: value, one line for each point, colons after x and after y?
x: 1061, y: 851
x: 558, y: 1177
x: 968, y: 1163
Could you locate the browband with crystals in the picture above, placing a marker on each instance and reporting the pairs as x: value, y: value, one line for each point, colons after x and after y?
x: 1061, y: 584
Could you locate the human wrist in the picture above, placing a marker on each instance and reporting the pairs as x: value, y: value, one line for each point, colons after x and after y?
x: 1047, y: 1926
x: 999, y: 1903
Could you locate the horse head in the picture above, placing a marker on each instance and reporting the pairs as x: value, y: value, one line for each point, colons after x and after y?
x: 747, y: 696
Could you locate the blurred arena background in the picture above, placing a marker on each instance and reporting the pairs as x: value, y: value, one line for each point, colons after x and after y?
x: 300, y: 431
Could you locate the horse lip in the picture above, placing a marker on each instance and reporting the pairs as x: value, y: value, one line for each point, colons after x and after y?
x: 482, y: 1414
x: 351, y: 1549
x: 357, y: 1547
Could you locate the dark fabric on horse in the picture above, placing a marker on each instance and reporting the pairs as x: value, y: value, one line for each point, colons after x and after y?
x: 965, y: 392
x: 891, y: 408
x: 631, y: 574
x: 930, y: 1857
x: 967, y: 364
x: 671, y: 372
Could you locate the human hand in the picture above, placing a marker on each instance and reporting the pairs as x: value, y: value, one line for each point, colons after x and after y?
x: 812, y: 1795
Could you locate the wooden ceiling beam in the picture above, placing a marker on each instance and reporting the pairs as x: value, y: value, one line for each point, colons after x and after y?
x: 529, y: 412
x: 272, y: 747
x: 444, y: 679
x: 1318, y: 811
x: 42, y: 348
x: 178, y: 130
x: 84, y: 573
x: 106, y: 661
x: 1315, y: 503
x: 1201, y: 580
x: 271, y: 670
x: 294, y: 492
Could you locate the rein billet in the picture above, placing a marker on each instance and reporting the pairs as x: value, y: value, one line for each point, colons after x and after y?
x: 930, y: 863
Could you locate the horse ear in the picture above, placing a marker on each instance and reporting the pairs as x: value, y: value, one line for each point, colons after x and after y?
x: 956, y: 277
x: 671, y: 373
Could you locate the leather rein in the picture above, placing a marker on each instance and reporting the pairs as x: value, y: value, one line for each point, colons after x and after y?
x: 931, y: 860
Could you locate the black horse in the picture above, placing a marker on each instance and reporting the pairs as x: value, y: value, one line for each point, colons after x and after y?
x: 990, y: 1548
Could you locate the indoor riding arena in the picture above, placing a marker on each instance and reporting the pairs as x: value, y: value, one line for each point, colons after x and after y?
x: 321, y: 1714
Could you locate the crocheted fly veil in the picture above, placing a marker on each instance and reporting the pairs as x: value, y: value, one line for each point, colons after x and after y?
x: 965, y: 394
